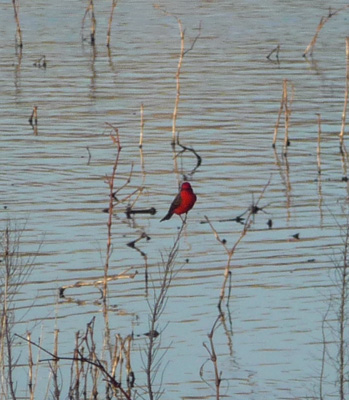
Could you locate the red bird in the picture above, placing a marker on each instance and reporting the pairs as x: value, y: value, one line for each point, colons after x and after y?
x: 183, y: 202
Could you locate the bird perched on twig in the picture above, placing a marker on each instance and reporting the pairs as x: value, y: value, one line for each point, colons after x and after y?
x: 183, y: 202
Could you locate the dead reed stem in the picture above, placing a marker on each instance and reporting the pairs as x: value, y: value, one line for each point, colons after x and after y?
x: 114, y: 2
x: 344, y: 159
x: 318, y: 150
x: 75, y: 371
x: 34, y: 116
x: 95, y: 365
x: 182, y: 53
x: 323, y: 20
x: 55, y: 366
x: 178, y: 84
x: 286, y: 140
x: 19, y: 41
x: 344, y: 113
x: 311, y: 45
x: 282, y: 102
x: 116, y: 140
x: 30, y: 366
x: 130, y: 374
x: 90, y: 9
x: 343, y: 271
x: 14, y: 271
x: 285, y: 106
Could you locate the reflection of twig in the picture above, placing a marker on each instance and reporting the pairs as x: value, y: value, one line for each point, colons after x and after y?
x: 41, y: 62
x: 89, y: 155
x: 276, y: 49
x: 129, y: 211
x: 318, y: 153
x: 198, y: 158
x: 213, y: 357
x: 142, y: 127
x: 96, y: 283
x: 133, y: 243
x: 143, y: 254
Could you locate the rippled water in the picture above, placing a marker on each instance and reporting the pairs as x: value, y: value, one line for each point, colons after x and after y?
x: 230, y: 97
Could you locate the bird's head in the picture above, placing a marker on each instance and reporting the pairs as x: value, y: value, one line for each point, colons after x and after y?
x: 186, y: 186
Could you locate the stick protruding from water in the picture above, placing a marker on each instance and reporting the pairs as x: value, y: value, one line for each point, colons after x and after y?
x: 344, y: 113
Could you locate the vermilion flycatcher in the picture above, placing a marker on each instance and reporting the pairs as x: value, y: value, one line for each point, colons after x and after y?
x: 183, y: 202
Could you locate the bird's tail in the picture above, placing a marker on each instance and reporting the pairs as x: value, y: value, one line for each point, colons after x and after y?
x: 167, y: 216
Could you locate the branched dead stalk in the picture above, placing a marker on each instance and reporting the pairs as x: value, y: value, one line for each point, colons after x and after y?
x: 230, y: 252
x: 157, y: 306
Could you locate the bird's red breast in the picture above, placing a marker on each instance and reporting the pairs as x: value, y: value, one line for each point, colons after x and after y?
x: 186, y: 199
x: 183, y: 202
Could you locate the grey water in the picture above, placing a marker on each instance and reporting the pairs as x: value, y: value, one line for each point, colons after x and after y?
x: 53, y: 183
